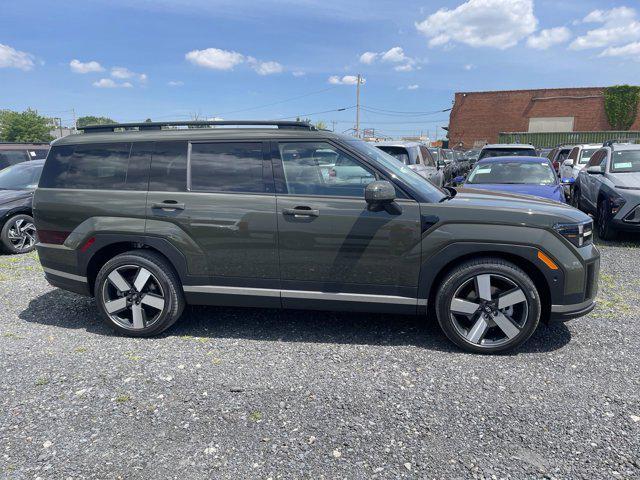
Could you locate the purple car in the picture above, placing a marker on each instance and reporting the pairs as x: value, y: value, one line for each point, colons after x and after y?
x: 520, y: 175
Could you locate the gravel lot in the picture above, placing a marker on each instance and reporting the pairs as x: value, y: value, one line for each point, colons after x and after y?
x: 246, y: 393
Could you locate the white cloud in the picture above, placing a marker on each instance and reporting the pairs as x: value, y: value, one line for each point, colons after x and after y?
x: 12, y: 58
x: 264, y: 68
x: 85, y: 67
x: 393, y: 55
x: 368, y: 57
x: 549, y: 37
x: 413, y: 87
x: 123, y: 73
x: 631, y: 50
x: 619, y: 26
x: 469, y: 66
x: 215, y: 58
x: 481, y: 23
x: 109, y: 83
x: 345, y: 80
x: 175, y: 83
x: 298, y: 73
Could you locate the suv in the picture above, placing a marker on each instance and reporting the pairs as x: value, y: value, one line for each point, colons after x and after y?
x: 149, y: 217
x: 13, y: 153
x: 416, y: 156
x: 507, y: 150
x: 609, y: 187
x: 558, y: 155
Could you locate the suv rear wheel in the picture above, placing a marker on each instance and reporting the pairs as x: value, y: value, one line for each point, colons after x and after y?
x: 488, y: 305
x: 139, y: 294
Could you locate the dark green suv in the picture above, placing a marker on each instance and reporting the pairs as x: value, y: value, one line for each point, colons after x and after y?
x: 149, y: 217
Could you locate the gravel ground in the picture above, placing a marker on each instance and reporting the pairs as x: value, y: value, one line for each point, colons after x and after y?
x: 247, y: 393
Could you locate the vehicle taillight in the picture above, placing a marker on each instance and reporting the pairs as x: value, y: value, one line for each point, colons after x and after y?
x: 55, y: 237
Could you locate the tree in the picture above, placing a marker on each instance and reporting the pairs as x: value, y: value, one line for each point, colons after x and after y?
x: 91, y: 120
x: 25, y: 126
x: 320, y: 125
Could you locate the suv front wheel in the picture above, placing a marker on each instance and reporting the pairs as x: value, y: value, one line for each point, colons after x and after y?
x: 139, y: 293
x: 488, y: 305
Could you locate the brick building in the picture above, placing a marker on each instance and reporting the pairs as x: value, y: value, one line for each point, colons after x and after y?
x: 478, y: 117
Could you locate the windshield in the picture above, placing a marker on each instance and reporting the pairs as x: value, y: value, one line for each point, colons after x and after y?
x: 539, y: 173
x: 586, y: 154
x: 399, y: 153
x: 398, y: 170
x: 20, y: 177
x: 625, y: 161
x: 507, y: 152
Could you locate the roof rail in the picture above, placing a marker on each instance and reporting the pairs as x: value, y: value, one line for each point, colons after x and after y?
x: 619, y: 141
x: 112, y: 127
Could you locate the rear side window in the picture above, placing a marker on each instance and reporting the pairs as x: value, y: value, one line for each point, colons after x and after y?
x: 168, y: 167
x: 227, y: 167
x: 92, y: 166
x: 12, y: 157
x: 426, y: 157
x: 400, y: 153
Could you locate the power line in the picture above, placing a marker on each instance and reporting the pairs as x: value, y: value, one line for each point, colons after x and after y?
x: 406, y: 113
x: 318, y: 113
x: 278, y: 102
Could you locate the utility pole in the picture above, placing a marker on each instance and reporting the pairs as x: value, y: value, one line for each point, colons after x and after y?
x: 75, y: 121
x: 333, y: 125
x: 358, y: 107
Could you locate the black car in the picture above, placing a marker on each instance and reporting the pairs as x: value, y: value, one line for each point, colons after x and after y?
x: 12, y: 153
x: 17, y: 184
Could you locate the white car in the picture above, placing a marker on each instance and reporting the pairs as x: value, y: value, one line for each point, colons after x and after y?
x: 577, y: 160
x: 417, y: 157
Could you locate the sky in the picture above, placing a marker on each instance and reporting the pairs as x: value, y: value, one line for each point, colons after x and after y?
x: 278, y: 59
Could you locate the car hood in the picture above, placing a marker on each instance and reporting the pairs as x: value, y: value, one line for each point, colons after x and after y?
x: 631, y: 179
x: 546, y: 191
x: 8, y: 196
x: 514, y: 208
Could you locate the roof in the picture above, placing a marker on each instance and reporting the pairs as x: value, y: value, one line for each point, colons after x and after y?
x: 13, y: 145
x: 509, y: 145
x: 562, y: 89
x: 625, y: 146
x: 194, y: 134
x: 517, y: 159
x: 398, y: 143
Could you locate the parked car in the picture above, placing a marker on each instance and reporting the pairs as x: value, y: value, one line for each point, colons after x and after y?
x: 13, y: 153
x: 578, y: 157
x: 521, y: 175
x: 152, y: 219
x: 17, y: 184
x: 544, y: 152
x: 416, y: 156
x: 472, y: 155
x: 558, y: 155
x: 609, y: 188
x: 507, y: 150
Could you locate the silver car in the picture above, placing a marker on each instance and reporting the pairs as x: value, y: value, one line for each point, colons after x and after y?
x: 417, y: 157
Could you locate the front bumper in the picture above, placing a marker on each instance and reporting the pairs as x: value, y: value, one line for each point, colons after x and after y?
x: 563, y: 313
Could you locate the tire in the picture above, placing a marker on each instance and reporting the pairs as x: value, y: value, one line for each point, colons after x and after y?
x: 479, y: 325
x: 18, y: 234
x: 139, y: 294
x: 605, y: 230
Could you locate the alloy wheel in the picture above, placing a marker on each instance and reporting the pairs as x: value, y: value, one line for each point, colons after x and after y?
x: 489, y: 310
x: 133, y: 297
x: 22, y: 235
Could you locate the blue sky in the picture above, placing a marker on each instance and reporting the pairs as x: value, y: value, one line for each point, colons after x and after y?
x: 172, y: 59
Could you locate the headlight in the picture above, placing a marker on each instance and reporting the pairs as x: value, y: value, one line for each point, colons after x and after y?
x: 579, y: 234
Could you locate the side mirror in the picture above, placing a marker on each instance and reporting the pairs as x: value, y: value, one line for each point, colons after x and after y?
x: 379, y: 192
x: 567, y: 163
x: 597, y: 170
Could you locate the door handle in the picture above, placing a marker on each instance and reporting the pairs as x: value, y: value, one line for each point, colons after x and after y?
x: 169, y: 205
x: 301, y: 212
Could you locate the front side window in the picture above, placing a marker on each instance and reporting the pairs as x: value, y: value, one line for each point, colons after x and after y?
x: 227, y: 167
x: 538, y: 173
x: 306, y: 172
x: 102, y: 166
x: 563, y: 155
x: 625, y: 161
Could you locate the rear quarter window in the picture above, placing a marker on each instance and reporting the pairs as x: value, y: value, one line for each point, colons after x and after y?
x: 168, y: 167
x: 88, y: 166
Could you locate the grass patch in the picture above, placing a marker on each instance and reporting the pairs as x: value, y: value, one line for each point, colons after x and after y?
x: 255, y: 416
x: 41, y: 382
x: 123, y: 398
x: 80, y: 349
